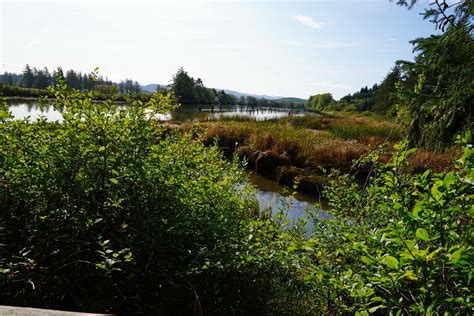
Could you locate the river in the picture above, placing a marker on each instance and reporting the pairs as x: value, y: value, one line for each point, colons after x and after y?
x: 22, y: 108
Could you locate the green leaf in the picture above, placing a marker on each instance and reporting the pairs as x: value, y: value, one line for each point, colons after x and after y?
x: 435, y: 191
x: 375, y: 308
x: 456, y: 256
x: 101, y: 266
x: 391, y: 262
x: 113, y: 180
x: 409, y: 275
x: 102, y: 148
x: 422, y: 234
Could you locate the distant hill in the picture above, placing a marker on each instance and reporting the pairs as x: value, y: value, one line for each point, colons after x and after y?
x: 151, y: 87
x: 154, y: 86
x: 238, y: 94
x: 291, y: 100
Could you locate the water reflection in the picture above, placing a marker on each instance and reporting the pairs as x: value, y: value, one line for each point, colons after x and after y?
x: 30, y: 108
x: 22, y: 108
x: 270, y: 197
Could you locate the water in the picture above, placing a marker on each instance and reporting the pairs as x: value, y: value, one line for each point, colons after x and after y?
x: 258, y: 114
x: 270, y: 197
x: 22, y: 108
x: 30, y: 108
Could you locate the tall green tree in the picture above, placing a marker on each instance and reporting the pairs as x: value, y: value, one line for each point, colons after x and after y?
x: 252, y: 101
x: 184, y: 87
x: 72, y: 79
x: 28, y: 77
x: 320, y: 101
x: 437, y: 89
x: 42, y: 78
x: 9, y: 78
x: 385, y: 95
x: 226, y: 98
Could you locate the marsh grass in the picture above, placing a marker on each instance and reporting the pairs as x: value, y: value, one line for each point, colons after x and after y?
x: 315, y: 141
x: 363, y: 129
x: 304, y: 147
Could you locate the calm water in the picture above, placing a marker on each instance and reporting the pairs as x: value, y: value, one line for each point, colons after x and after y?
x: 270, y: 197
x: 23, y: 108
x: 269, y: 193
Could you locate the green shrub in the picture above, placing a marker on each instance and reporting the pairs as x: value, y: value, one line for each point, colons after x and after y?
x: 402, y: 244
x: 103, y: 209
x: 350, y: 108
x: 8, y: 90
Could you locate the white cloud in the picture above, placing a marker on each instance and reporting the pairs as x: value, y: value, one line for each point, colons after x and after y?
x: 309, y: 21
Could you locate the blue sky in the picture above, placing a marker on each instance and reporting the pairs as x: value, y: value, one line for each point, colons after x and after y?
x: 284, y: 48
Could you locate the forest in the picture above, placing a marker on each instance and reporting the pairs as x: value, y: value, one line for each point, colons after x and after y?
x: 112, y: 210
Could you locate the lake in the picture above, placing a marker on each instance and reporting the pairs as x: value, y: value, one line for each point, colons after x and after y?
x: 22, y: 108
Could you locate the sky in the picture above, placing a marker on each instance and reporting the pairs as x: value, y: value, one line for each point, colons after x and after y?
x: 280, y: 48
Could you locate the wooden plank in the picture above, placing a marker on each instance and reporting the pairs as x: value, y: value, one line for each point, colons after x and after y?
x: 27, y: 311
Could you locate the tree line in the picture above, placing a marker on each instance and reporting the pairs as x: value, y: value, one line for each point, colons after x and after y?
x: 380, y: 98
x: 36, y: 78
x: 190, y: 91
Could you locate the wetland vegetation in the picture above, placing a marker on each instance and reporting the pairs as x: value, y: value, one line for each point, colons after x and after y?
x: 120, y: 207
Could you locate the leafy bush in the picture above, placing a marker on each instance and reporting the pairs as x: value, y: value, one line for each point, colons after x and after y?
x: 8, y: 90
x: 104, y: 211
x: 402, y: 244
x: 350, y: 108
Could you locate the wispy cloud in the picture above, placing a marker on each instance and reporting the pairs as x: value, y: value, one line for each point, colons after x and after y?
x: 309, y: 21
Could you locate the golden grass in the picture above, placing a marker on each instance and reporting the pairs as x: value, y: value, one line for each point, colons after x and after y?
x: 304, y: 147
x: 435, y: 161
x: 313, y: 142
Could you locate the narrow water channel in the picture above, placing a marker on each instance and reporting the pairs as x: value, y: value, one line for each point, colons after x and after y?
x: 272, y: 197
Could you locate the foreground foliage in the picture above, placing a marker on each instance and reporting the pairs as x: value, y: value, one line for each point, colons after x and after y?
x: 402, y: 244
x: 106, y: 211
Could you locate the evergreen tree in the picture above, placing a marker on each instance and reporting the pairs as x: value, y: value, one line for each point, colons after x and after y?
x: 72, y: 79
x: 28, y: 77
x: 437, y: 89
x: 385, y: 97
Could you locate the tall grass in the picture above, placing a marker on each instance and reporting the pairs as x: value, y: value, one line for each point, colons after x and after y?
x: 314, y: 141
x: 304, y: 147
